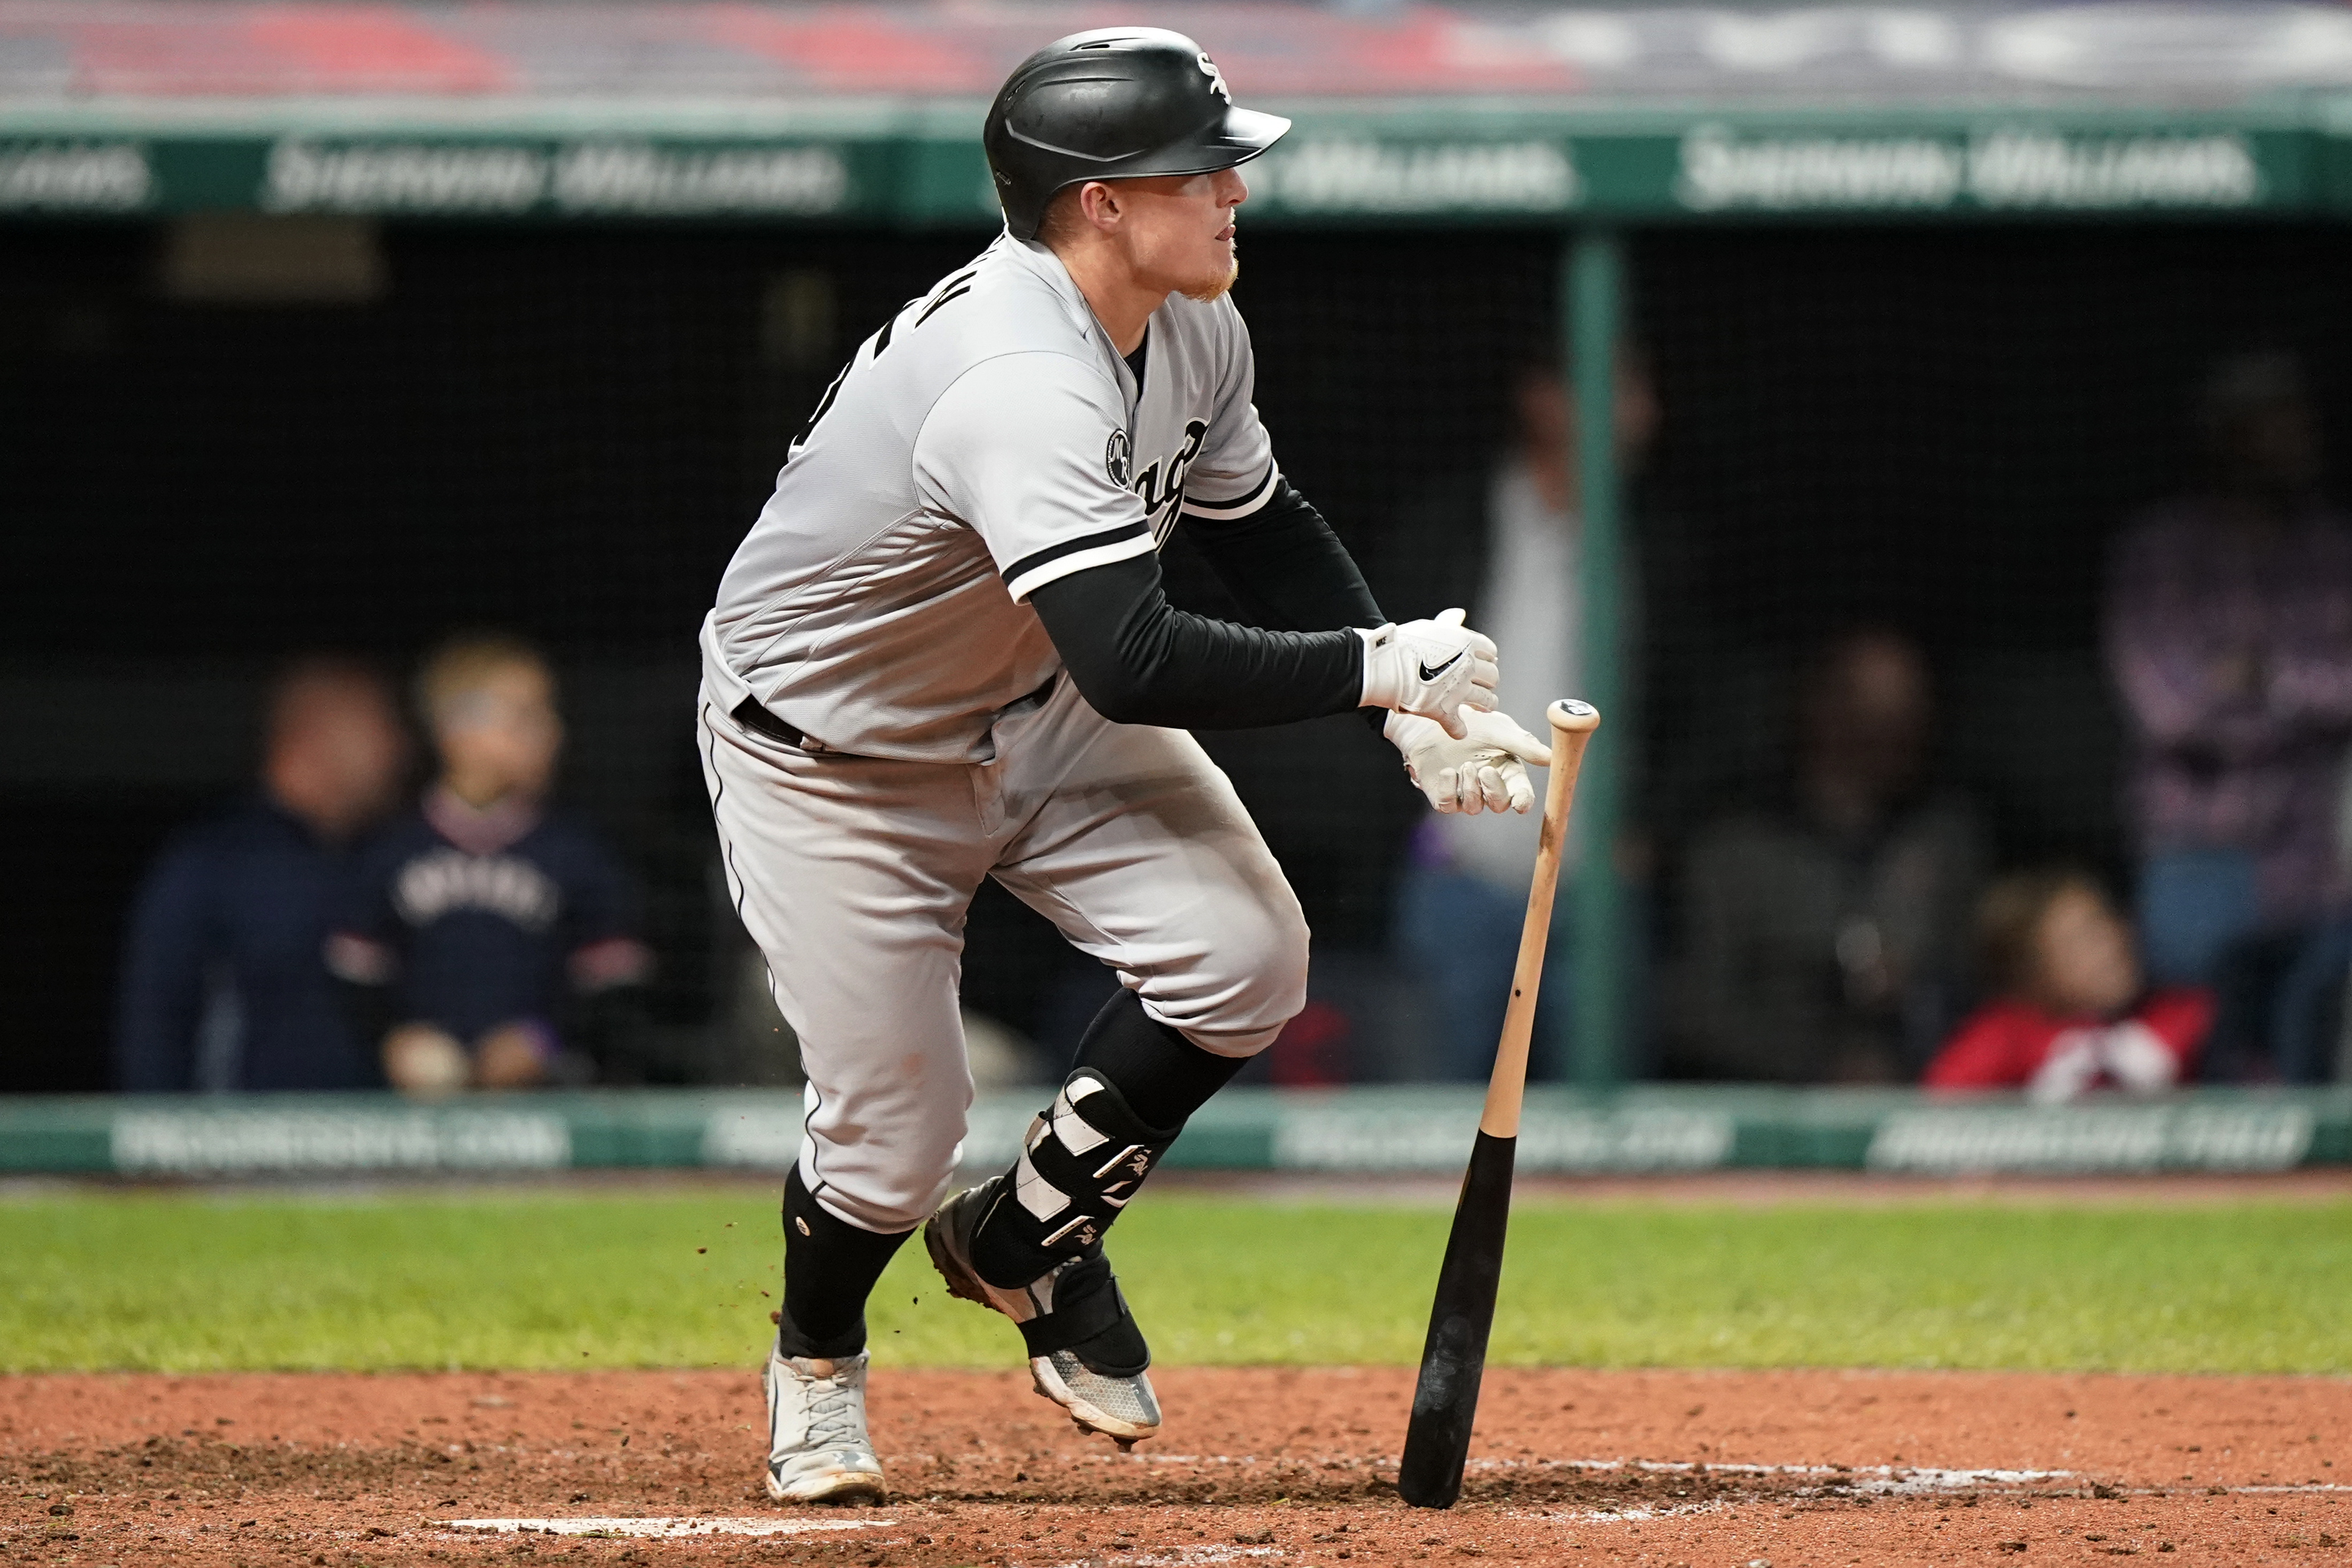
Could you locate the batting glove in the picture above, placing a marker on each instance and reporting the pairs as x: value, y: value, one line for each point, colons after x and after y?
x: 1484, y: 770
x: 1430, y: 667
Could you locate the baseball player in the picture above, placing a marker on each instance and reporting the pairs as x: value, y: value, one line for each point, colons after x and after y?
x: 942, y: 653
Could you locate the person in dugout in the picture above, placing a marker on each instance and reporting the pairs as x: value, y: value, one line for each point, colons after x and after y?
x: 222, y: 985
x: 2070, y: 1010
x: 489, y: 942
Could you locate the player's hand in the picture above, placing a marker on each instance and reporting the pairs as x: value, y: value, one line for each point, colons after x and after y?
x: 1487, y: 770
x: 1430, y: 667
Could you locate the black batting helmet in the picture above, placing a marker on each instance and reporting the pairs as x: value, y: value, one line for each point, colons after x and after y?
x: 1113, y: 104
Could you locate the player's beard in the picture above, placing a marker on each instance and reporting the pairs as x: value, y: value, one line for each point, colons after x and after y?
x: 1209, y: 293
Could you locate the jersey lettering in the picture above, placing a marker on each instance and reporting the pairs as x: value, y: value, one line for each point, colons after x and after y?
x: 823, y: 407
x: 954, y: 287
x: 1148, y: 483
x: 434, y: 885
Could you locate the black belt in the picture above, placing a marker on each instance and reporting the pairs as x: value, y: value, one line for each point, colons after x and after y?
x: 760, y: 721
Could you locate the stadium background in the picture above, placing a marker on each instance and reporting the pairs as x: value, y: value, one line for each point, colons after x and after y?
x: 344, y: 325
x: 1871, y: 412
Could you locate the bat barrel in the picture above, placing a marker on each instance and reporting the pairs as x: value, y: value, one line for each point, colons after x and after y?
x: 1453, y: 1358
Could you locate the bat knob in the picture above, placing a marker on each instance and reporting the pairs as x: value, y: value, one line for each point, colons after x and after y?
x: 1573, y: 714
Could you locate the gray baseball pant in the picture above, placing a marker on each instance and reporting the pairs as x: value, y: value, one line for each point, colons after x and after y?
x: 853, y: 874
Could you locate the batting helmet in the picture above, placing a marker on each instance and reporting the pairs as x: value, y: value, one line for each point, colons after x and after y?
x: 1113, y: 104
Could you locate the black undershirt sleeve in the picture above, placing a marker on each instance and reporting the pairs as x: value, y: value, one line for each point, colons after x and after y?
x: 1138, y: 659
x: 1286, y: 567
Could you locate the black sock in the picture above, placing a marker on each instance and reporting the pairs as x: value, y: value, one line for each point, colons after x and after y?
x: 830, y: 1268
x: 1163, y: 1075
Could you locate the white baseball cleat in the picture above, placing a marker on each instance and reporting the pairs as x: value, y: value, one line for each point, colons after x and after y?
x: 1117, y: 1404
x: 817, y: 1447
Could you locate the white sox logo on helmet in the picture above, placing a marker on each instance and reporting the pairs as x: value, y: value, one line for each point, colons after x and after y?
x: 1216, y: 79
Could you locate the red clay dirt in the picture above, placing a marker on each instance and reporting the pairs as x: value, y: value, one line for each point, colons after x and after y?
x: 1277, y: 1467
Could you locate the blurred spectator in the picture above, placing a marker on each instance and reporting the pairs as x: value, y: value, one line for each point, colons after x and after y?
x: 1503, y: 545
x: 2308, y: 1039
x: 222, y: 984
x: 2069, y: 1011
x: 490, y: 942
x: 1824, y: 937
x: 2228, y: 632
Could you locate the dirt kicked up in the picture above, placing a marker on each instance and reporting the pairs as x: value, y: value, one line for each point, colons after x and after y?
x: 1281, y: 1468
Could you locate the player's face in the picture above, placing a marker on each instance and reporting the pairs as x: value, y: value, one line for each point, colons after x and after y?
x: 1177, y: 231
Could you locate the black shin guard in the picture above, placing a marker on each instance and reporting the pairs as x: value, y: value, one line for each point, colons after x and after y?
x: 1086, y: 1156
x: 1135, y: 1083
x: 1082, y: 1161
x: 830, y: 1268
x: 1044, y: 1226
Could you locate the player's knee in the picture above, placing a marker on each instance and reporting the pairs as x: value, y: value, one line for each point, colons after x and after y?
x: 1282, y: 968
x: 1265, y: 982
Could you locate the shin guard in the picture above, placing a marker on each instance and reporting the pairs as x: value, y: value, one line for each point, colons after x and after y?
x: 1080, y: 1162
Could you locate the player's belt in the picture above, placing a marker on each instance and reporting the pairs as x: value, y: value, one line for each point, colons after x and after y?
x: 760, y: 721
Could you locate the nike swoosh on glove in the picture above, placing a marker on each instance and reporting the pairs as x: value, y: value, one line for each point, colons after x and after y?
x: 1430, y: 667
x: 1486, y: 769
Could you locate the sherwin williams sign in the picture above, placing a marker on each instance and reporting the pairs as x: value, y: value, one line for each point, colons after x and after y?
x: 605, y: 178
x: 77, y: 176
x: 2006, y: 168
x: 1312, y: 171
x: 1329, y: 168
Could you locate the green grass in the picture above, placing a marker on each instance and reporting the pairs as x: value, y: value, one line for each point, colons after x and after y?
x: 587, y: 1279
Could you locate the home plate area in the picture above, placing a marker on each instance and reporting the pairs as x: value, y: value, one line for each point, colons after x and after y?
x: 1273, y: 1466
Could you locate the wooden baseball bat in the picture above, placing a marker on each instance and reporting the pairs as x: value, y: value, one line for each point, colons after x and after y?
x: 1453, y: 1358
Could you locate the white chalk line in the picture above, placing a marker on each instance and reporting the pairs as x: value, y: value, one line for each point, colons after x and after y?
x: 1182, y: 1557
x: 1893, y: 1478
x: 1878, y: 1481
x: 664, y: 1529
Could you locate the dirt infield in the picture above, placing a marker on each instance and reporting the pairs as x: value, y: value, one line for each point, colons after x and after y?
x: 1279, y: 1467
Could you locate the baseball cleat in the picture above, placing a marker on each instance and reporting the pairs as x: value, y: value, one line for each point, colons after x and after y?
x: 1086, y: 1353
x: 817, y: 1447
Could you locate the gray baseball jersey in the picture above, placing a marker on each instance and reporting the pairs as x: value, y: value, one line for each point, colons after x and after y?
x: 987, y: 440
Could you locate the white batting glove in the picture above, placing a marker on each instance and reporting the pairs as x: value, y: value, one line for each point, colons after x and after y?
x: 1430, y: 667
x: 1485, y: 771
